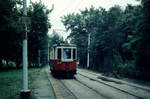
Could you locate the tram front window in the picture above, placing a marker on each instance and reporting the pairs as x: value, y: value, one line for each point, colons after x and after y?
x: 74, y: 53
x: 59, y: 53
x: 67, y: 53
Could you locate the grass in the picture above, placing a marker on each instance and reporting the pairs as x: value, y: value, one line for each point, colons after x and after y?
x: 11, y: 83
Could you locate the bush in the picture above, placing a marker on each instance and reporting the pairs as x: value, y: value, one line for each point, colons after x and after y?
x: 128, y: 70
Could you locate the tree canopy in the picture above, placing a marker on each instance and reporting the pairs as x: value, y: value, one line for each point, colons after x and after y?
x: 12, y: 29
x: 116, y: 38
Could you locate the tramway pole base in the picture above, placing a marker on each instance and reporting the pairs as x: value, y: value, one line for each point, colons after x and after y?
x: 25, y: 94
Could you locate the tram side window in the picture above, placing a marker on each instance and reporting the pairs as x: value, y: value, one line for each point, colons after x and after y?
x: 74, y: 53
x: 59, y: 53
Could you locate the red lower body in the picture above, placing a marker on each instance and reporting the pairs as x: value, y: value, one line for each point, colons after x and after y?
x: 62, y: 68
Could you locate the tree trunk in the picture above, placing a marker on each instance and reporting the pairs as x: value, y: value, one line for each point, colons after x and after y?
x: 0, y: 63
x: 17, y: 63
x: 108, y: 63
x: 7, y: 65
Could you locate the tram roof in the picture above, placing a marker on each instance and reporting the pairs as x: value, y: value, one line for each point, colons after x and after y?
x: 64, y: 45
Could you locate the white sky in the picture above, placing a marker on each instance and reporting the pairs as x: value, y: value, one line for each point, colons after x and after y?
x: 64, y: 7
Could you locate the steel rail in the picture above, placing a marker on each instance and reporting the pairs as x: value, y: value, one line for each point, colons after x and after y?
x: 139, y: 97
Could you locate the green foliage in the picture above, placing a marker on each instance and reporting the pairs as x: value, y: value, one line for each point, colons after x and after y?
x: 54, y: 38
x: 96, y: 22
x: 143, y: 55
x: 37, y: 36
x: 128, y: 70
x: 116, y: 38
x: 12, y: 31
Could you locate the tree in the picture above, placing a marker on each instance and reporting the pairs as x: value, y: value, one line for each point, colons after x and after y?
x: 96, y: 22
x: 54, y: 38
x: 115, y: 36
x: 143, y: 53
x: 37, y: 36
x: 10, y: 31
x: 77, y: 25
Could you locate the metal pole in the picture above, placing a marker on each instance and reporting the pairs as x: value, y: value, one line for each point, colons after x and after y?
x: 25, y: 57
x: 88, y: 58
x: 48, y: 53
x: 39, y: 56
x: 25, y: 93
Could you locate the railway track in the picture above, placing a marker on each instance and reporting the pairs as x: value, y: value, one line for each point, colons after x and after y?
x: 79, y: 82
x: 90, y: 88
x: 124, y: 91
x: 59, y: 89
x: 75, y: 97
x: 146, y: 89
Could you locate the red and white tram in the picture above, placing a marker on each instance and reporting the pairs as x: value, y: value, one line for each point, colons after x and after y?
x: 63, y: 58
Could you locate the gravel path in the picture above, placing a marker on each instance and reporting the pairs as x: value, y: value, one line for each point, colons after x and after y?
x: 42, y: 86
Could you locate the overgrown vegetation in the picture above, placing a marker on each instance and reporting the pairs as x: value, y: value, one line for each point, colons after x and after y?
x: 119, y: 42
x: 11, y: 33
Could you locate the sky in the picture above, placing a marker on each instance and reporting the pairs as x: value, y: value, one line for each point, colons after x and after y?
x: 64, y: 7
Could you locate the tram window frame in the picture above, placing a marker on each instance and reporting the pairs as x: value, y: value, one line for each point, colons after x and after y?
x: 74, y: 53
x: 59, y: 53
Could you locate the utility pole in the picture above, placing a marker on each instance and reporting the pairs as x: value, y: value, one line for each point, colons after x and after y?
x: 88, y: 58
x: 25, y: 92
x: 25, y: 57
x: 39, y: 56
x: 48, y: 53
